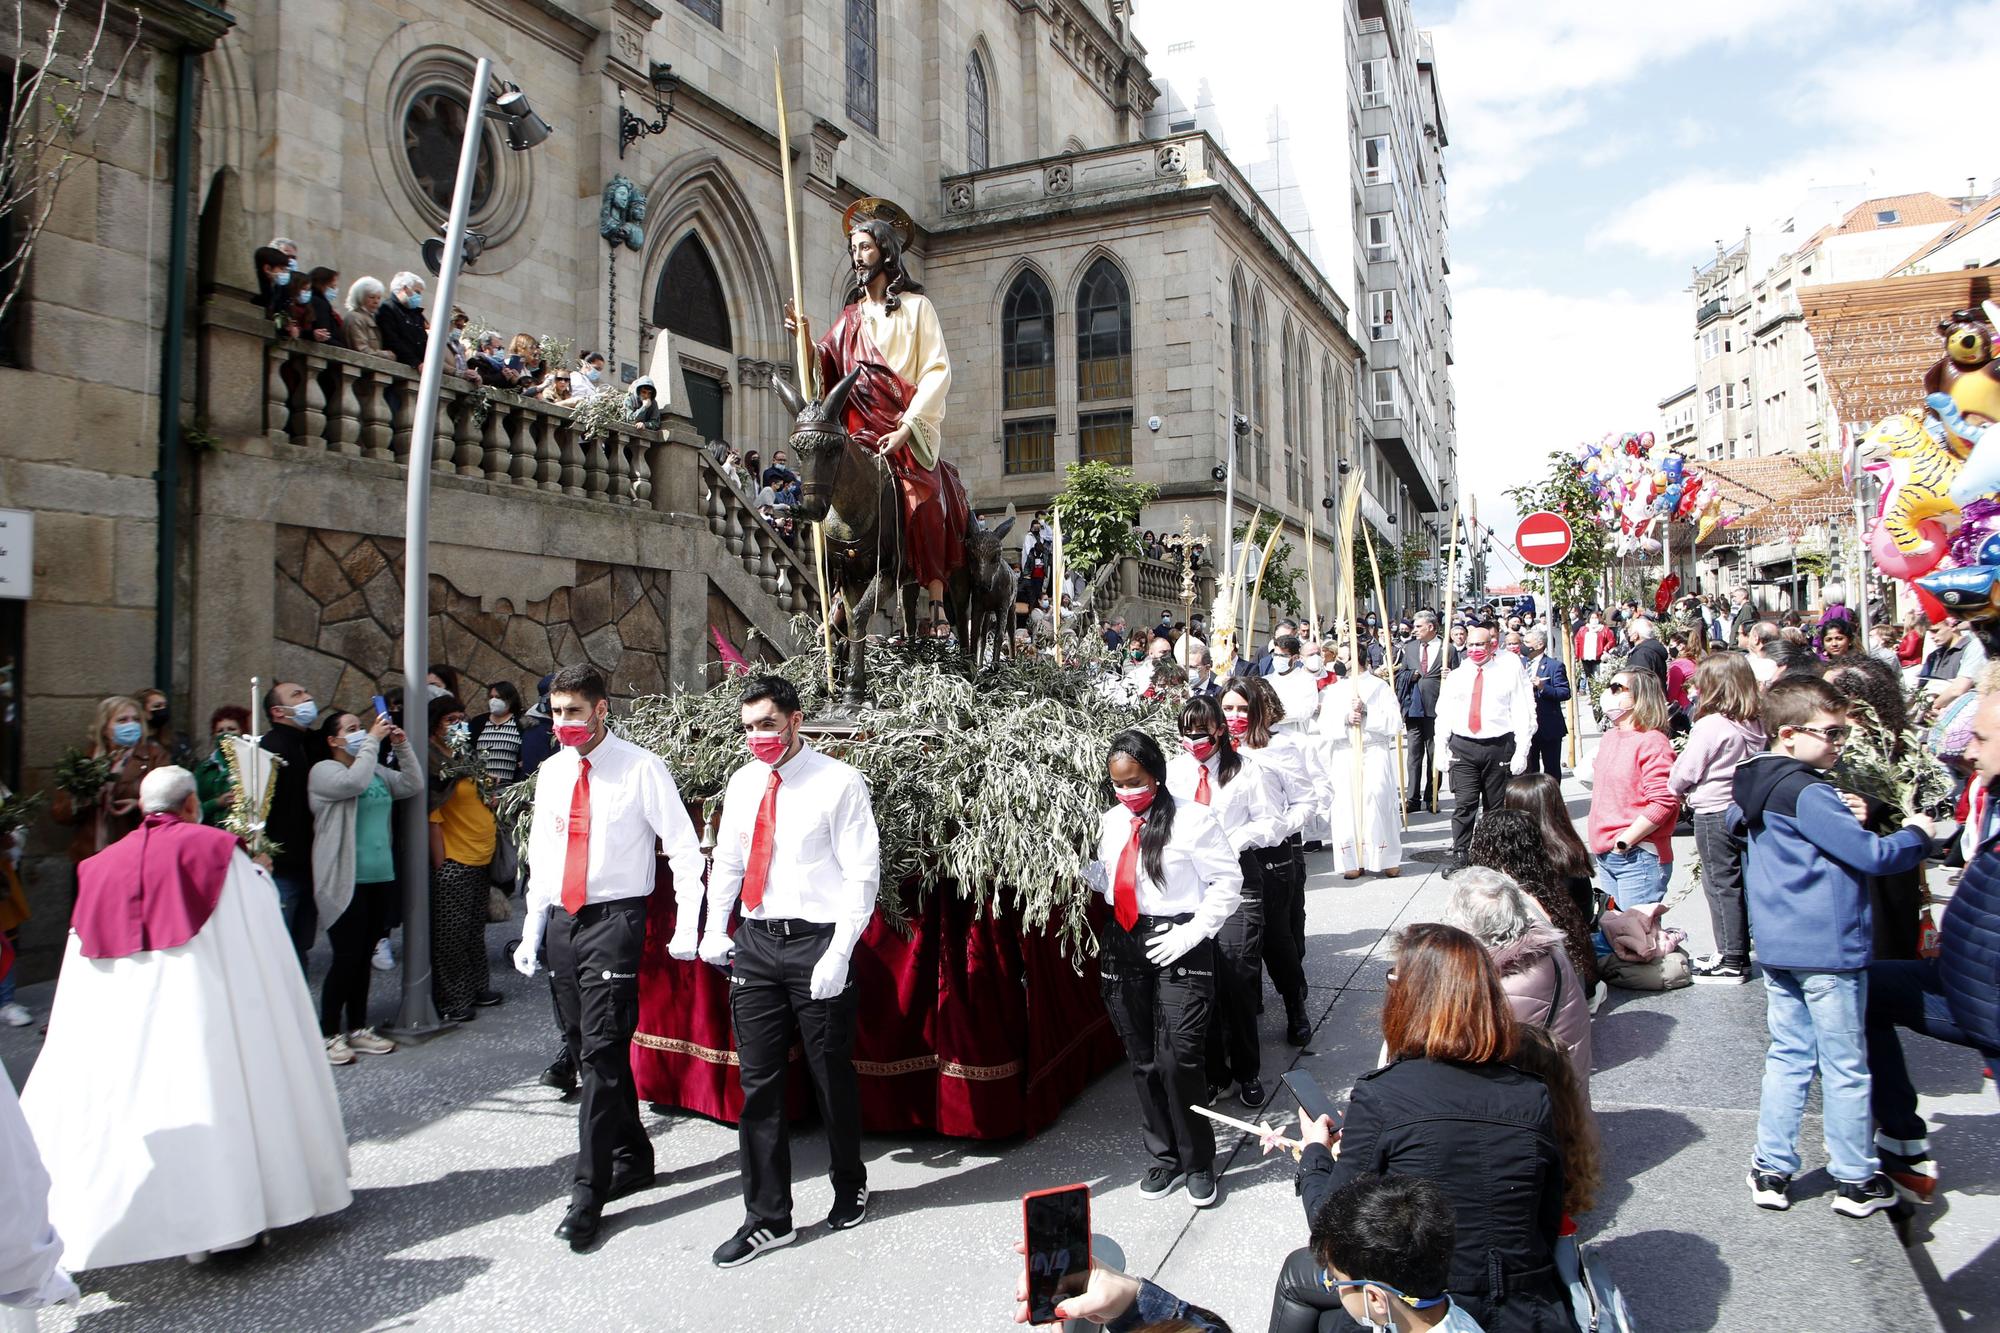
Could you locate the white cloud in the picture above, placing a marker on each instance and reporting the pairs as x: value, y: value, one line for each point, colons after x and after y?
x: 1581, y: 366
x: 1891, y: 143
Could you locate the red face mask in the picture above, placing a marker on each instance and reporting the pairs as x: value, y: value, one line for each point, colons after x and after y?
x: 1479, y: 654
x: 1200, y: 749
x: 1138, y: 802
x: 1239, y: 726
x: 768, y: 746
x: 576, y: 735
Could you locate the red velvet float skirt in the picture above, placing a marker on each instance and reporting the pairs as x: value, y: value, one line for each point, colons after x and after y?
x: 967, y: 1028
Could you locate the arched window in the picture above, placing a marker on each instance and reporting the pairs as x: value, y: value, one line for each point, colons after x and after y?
x: 689, y: 299
x: 1329, y: 422
x: 1287, y: 402
x: 1028, y: 343
x: 1260, y: 445
x: 1028, y: 375
x: 1239, y: 351
x: 861, y: 50
x: 975, y: 113
x: 1104, y: 364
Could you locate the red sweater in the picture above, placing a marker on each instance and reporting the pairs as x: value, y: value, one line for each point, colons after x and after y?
x: 1629, y: 780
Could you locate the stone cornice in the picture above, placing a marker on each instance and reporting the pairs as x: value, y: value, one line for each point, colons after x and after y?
x: 191, y: 21
x: 554, y: 25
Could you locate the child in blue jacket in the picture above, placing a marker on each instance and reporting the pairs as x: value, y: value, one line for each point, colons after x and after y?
x: 1805, y: 879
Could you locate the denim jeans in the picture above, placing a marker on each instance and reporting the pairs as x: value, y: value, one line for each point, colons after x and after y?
x: 1634, y: 878
x: 301, y: 912
x: 1816, y: 1021
x: 1906, y: 995
x: 1721, y: 855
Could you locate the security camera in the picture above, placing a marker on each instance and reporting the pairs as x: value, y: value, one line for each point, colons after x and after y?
x: 1239, y: 423
x: 1219, y: 472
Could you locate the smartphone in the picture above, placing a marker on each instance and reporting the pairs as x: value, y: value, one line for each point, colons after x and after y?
x: 381, y: 706
x: 1056, y: 1225
x: 1312, y: 1097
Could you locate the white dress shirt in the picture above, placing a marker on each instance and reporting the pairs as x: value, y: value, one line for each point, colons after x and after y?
x: 1302, y: 783
x: 826, y: 856
x: 635, y: 806
x: 1506, y: 703
x: 1249, y: 807
x: 1202, y: 876
x: 1298, y: 691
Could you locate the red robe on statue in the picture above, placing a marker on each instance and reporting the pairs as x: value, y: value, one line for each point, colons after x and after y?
x: 935, y: 511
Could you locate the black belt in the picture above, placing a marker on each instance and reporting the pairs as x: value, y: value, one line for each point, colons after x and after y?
x: 785, y: 927
x: 1148, y: 923
x: 1505, y: 736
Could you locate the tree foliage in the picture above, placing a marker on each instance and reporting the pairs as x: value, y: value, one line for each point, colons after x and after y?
x: 1098, y: 506
x: 1283, y: 590
x: 1562, y: 490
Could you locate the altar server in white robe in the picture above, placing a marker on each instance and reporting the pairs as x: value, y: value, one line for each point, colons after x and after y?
x: 31, y: 1271
x: 1367, y: 832
x: 182, y: 1103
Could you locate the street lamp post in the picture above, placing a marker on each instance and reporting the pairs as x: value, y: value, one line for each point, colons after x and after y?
x: 418, y: 1015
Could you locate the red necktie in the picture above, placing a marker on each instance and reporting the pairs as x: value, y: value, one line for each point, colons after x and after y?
x: 576, y: 859
x: 759, y: 870
x: 1125, y: 888
x: 1201, y: 787
x: 1478, y: 689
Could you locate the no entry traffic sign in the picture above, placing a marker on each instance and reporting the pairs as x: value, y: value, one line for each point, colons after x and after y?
x: 1543, y: 539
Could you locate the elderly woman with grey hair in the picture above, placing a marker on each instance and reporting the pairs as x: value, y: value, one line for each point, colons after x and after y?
x: 1541, y: 984
x: 364, y: 298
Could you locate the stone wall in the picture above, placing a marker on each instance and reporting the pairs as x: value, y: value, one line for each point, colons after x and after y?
x: 339, y: 619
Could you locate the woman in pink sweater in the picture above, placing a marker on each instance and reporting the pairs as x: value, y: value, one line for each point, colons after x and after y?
x: 1632, y: 809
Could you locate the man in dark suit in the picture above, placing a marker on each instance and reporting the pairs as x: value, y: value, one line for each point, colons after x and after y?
x: 1262, y: 666
x: 1648, y: 653
x: 1420, y: 668
x: 1551, y: 686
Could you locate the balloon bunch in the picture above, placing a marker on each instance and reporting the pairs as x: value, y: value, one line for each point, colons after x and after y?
x: 1641, y: 484
x: 1938, y: 525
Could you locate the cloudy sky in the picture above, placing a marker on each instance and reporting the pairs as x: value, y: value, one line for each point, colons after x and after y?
x: 1598, y: 152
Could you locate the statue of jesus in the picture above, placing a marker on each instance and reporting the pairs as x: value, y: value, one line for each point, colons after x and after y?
x: 889, y: 329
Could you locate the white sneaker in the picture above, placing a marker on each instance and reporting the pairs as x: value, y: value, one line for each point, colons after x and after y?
x: 338, y: 1052
x: 365, y: 1041
x: 384, y: 960
x: 15, y: 1015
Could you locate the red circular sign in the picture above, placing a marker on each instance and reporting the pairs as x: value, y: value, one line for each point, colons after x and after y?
x: 1543, y: 539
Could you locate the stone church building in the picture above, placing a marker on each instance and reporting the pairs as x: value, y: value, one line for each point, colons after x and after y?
x: 1105, y: 295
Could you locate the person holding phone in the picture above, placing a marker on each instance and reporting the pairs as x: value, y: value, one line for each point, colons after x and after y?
x: 797, y: 847
x: 1172, y: 879
x: 354, y: 869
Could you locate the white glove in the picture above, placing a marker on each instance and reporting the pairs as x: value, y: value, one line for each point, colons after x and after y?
x: 1518, y: 765
x: 716, y: 948
x: 682, y: 944
x: 1169, y: 946
x: 829, y: 976
x: 531, y: 942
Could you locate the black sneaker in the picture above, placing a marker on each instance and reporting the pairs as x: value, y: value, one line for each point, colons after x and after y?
x: 1713, y: 971
x: 749, y: 1242
x: 1867, y: 1197
x: 849, y: 1207
x: 486, y: 999
x: 561, y: 1074
x: 1201, y: 1189
x: 1298, y: 1028
x: 1771, y: 1190
x: 1160, y: 1182
x: 1251, y: 1093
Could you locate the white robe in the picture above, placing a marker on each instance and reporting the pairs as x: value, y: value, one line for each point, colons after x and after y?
x: 1379, y: 843
x: 183, y: 1100
x: 30, y: 1251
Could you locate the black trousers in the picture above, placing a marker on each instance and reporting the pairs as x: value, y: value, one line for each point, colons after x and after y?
x: 1284, y: 919
x: 1162, y: 1016
x: 1546, y: 754
x: 353, y: 936
x: 1302, y: 1300
x: 771, y: 1006
x: 1478, y: 782
x: 1234, y: 1053
x: 1423, y: 760
x: 593, y: 961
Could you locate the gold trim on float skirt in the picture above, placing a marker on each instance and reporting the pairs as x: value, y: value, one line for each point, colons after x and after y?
x: 916, y: 1064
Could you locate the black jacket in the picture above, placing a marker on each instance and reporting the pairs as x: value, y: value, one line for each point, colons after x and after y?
x: 1485, y: 1135
x: 1649, y: 655
x: 403, y: 332
x: 290, y: 822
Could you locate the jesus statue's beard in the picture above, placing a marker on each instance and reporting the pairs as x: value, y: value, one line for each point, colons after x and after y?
x: 865, y: 274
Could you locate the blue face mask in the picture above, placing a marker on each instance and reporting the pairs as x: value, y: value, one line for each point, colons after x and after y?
x: 354, y: 742
x: 126, y: 733
x: 416, y: 300
x: 283, y: 279
x: 305, y: 712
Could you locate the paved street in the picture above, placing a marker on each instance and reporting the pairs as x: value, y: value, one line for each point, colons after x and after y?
x: 461, y: 1169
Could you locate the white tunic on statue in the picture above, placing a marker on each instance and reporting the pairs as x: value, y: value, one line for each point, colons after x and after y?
x: 1378, y: 842
x: 183, y: 1100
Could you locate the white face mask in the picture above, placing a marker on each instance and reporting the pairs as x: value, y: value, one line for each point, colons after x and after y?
x: 496, y: 706
x: 1280, y: 665
x: 1315, y: 662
